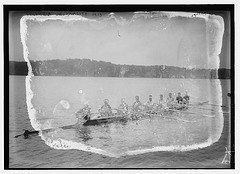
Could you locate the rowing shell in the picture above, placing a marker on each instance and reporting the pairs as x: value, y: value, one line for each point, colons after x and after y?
x: 105, y: 120
x: 134, y: 116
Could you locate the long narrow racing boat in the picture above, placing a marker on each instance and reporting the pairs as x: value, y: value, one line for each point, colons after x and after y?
x: 123, y: 118
x: 131, y: 116
x: 104, y: 120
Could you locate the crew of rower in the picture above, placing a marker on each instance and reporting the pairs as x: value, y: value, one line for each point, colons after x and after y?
x: 149, y: 104
x: 138, y: 106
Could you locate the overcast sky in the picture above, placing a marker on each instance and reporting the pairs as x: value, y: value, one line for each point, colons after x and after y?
x: 123, y: 38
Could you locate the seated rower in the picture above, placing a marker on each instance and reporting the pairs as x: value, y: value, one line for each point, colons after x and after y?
x: 186, y: 98
x: 84, y: 113
x: 170, y: 101
x: 105, y: 110
x: 179, y: 98
x: 123, y: 108
x: 149, y: 104
x: 161, y: 103
x: 137, y: 105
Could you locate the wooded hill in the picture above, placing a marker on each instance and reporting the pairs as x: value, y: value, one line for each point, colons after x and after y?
x: 93, y: 68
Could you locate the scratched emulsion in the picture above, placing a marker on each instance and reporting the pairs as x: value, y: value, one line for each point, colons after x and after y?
x: 141, y: 38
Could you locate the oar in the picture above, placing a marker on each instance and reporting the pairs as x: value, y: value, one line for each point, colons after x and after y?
x: 200, y: 103
x: 171, y: 118
x: 205, y: 115
x: 177, y: 119
x: 196, y: 107
x: 35, y: 132
x: 27, y: 133
x: 211, y: 104
x: 18, y: 136
x: 218, y: 105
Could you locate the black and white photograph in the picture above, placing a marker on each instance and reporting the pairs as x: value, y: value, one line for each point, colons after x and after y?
x: 119, y: 86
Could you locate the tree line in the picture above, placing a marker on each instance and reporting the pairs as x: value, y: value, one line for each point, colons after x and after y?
x: 93, y: 68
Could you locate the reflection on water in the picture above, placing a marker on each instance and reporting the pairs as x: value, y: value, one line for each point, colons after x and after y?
x: 83, y: 133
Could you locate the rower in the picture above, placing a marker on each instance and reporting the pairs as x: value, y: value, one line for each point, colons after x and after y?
x: 179, y: 98
x: 186, y: 98
x: 123, y: 108
x: 137, y: 105
x: 85, y: 113
x: 105, y: 110
x: 149, y: 104
x: 161, y: 102
x: 170, y: 100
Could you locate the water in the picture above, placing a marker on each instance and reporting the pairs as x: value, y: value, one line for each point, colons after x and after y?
x: 128, y: 142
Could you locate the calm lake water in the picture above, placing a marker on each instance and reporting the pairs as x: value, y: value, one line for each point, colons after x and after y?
x: 196, y: 139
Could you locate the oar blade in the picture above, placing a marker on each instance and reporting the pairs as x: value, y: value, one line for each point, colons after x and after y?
x: 18, y: 136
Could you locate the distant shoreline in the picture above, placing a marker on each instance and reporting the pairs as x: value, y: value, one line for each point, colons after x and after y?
x: 93, y: 68
x: 115, y: 77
